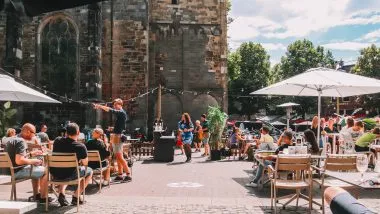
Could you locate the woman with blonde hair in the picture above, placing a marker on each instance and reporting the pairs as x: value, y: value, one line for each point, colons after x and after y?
x: 198, y: 136
x: 100, y: 143
x: 186, y: 128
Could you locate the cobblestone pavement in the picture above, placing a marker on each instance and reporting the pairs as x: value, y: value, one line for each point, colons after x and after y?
x: 197, y: 187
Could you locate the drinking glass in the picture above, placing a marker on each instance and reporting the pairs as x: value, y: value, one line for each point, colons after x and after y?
x: 362, y: 165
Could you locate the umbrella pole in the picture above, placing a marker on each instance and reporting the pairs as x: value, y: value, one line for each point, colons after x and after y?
x: 319, y: 117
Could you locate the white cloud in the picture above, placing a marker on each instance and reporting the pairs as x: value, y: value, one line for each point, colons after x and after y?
x: 279, y: 19
x: 273, y: 46
x: 347, y: 46
x: 372, y: 36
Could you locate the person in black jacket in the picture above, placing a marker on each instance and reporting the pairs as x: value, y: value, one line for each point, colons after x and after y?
x: 99, y: 143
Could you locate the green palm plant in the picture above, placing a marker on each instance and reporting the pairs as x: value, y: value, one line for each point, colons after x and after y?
x: 6, y: 115
x: 217, y: 121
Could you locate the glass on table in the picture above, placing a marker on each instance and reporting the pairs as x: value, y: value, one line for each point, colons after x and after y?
x: 362, y: 165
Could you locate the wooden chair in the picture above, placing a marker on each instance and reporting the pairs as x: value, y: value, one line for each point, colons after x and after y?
x: 6, y: 163
x: 300, y: 165
x: 335, y: 163
x: 94, y: 156
x: 64, y: 160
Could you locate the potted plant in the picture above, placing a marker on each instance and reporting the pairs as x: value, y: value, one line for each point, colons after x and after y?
x: 217, y: 121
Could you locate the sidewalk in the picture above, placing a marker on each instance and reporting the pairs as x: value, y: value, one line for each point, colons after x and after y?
x: 197, y: 187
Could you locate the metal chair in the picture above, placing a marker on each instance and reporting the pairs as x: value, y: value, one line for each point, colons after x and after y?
x: 6, y: 163
x: 64, y: 160
x: 335, y: 163
x: 300, y: 165
x: 94, y: 156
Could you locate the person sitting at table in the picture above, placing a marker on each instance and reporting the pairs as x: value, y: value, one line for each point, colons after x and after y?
x: 356, y: 131
x: 44, y: 137
x: 99, y: 143
x: 330, y: 128
x: 264, y: 143
x: 69, y: 144
x: 28, y: 168
x: 340, y: 201
x: 235, y: 139
x: 314, y: 128
x: 362, y: 144
x: 10, y: 134
x: 286, y: 138
x: 311, y: 142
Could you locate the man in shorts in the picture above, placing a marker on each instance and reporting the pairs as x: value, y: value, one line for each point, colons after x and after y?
x: 117, y: 145
x: 70, y: 144
x: 206, y: 135
x: 25, y: 167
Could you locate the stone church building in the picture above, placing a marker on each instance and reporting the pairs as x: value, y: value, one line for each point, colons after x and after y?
x: 121, y: 48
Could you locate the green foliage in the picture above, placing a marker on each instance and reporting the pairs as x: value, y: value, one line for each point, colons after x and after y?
x: 6, y: 115
x: 217, y: 121
x: 249, y: 70
x: 299, y: 57
x: 368, y: 65
x: 302, y: 55
x: 369, y: 123
x: 368, y: 62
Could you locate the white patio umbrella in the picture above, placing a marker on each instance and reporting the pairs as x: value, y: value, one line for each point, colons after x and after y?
x: 10, y: 90
x: 288, y: 107
x: 278, y: 123
x: 323, y: 82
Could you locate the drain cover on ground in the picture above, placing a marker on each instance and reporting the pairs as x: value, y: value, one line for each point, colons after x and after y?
x: 184, y: 185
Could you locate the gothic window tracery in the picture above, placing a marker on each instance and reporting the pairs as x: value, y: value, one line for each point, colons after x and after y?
x: 59, y: 58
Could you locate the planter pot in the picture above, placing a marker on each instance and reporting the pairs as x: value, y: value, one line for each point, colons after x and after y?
x: 215, y: 155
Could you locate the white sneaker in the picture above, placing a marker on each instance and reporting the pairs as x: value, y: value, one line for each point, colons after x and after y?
x: 251, y: 184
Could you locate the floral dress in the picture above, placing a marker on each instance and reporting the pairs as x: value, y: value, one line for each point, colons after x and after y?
x: 187, y: 137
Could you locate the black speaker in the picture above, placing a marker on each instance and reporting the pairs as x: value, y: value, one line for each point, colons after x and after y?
x: 164, y: 150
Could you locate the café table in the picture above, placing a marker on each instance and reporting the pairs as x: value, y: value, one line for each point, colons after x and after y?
x: 353, y: 178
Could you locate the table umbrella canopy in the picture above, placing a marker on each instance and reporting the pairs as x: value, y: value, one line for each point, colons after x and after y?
x: 278, y: 123
x: 323, y: 82
x: 304, y: 123
x: 331, y: 83
x: 10, y: 90
x: 288, y: 105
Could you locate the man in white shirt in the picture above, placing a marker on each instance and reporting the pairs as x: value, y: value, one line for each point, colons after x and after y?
x: 264, y: 143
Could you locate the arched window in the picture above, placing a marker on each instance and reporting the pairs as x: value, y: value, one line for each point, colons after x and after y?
x: 59, y: 56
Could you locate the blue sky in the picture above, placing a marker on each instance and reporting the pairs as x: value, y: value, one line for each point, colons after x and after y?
x: 342, y: 26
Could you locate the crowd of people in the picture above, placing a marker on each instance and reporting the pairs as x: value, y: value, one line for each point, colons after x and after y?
x: 29, y: 164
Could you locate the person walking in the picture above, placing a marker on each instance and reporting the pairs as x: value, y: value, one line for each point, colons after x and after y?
x: 186, y: 128
x: 117, y: 145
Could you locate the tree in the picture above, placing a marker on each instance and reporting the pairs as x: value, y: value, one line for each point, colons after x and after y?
x: 299, y: 57
x: 249, y: 72
x: 368, y: 65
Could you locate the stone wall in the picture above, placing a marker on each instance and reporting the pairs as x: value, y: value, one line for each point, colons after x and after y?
x: 128, y: 51
x: 188, y: 53
x: 125, y: 58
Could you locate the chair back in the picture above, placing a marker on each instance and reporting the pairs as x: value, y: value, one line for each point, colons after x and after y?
x: 5, y: 160
x: 293, y: 163
x: 6, y: 166
x: 340, y: 162
x: 94, y: 156
x: 62, y: 160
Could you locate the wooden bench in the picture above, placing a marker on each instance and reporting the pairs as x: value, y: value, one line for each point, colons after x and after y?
x: 16, y: 207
